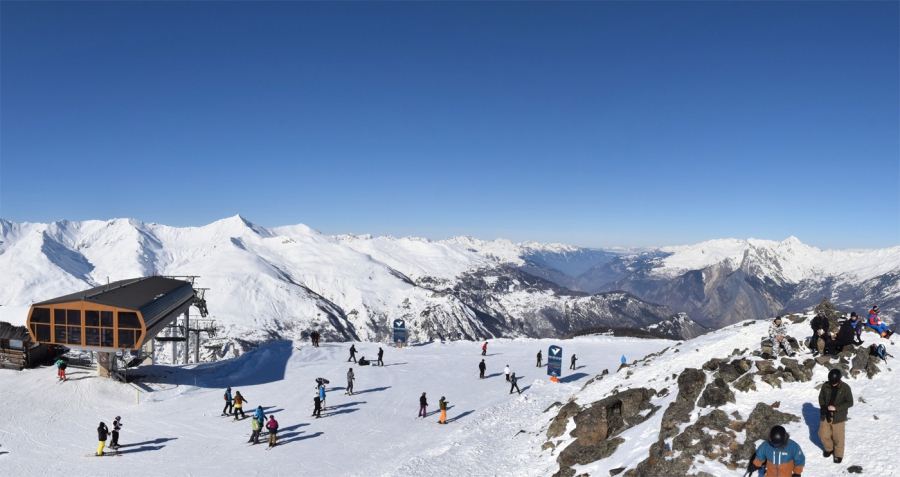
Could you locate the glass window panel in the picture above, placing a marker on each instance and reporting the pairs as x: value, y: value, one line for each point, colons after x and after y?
x: 75, y: 335
x: 40, y: 315
x: 126, y: 339
x: 128, y: 319
x: 74, y: 317
x: 43, y: 333
x: 106, y: 337
x: 91, y: 336
x: 59, y: 316
x: 106, y: 319
x: 91, y: 318
x: 59, y: 334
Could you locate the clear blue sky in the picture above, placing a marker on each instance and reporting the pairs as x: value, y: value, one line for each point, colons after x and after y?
x: 595, y: 124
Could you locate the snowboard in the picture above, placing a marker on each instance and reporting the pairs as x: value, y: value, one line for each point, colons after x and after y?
x: 105, y: 454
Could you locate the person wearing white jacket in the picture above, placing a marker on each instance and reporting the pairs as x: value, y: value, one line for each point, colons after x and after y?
x: 506, y: 370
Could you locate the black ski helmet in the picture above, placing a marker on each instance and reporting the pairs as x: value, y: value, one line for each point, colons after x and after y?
x: 777, y: 436
x: 834, y: 376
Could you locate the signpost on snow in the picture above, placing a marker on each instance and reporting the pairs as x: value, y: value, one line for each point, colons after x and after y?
x: 554, y: 361
x: 399, y: 332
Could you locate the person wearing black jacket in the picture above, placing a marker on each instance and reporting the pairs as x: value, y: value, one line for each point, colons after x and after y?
x: 352, y: 353
x: 117, y: 424
x: 846, y: 336
x: 540, y: 358
x: 102, y: 433
x: 317, y: 410
x: 481, y: 367
x: 819, y: 326
x: 380, y: 356
x: 423, y: 405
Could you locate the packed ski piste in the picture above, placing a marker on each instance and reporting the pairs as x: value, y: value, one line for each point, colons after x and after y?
x: 801, y: 394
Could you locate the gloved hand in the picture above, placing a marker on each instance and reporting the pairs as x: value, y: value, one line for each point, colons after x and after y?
x: 795, y: 475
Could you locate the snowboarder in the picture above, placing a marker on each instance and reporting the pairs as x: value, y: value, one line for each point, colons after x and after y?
x: 272, y: 426
x: 572, y: 366
x: 876, y: 324
x: 540, y: 358
x: 506, y: 372
x: 229, y: 407
x: 835, y: 398
x: 350, y: 378
x: 778, y: 333
x: 117, y: 424
x: 61, y: 369
x: 322, y: 396
x: 102, y: 433
x: 380, y: 356
x: 260, y: 415
x: 779, y: 454
x: 317, y: 409
x: 423, y: 405
x: 443, y: 405
x: 484, y: 349
x: 255, y: 427
x: 819, y: 326
x: 352, y: 353
x: 481, y: 368
x: 239, y: 406
x: 514, y: 383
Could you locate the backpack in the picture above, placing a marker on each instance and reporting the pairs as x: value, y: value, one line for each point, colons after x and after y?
x: 63, y: 365
x: 878, y: 351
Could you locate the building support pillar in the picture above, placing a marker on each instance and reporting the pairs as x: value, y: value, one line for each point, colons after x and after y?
x: 105, y: 363
x: 187, y: 337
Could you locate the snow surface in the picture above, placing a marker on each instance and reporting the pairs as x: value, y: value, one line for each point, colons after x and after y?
x: 49, y: 427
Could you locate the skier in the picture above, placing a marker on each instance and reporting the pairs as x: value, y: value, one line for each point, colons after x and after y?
x: 255, y: 426
x: 350, y: 378
x: 506, y: 372
x: 102, y: 433
x: 484, y: 349
x: 819, y: 326
x: 239, y: 406
x: 322, y: 396
x: 352, y: 353
x: 514, y: 383
x: 272, y: 426
x: 778, y: 332
x: 876, y: 324
x: 61, y: 369
x: 380, y: 356
x: 423, y: 404
x: 317, y: 409
x: 481, y: 367
x: 779, y: 454
x: 443, y: 405
x: 318, y: 335
x: 312, y: 338
x: 835, y: 398
x: 573, y: 362
x: 229, y: 408
x: 540, y: 358
x: 260, y: 415
x: 117, y: 424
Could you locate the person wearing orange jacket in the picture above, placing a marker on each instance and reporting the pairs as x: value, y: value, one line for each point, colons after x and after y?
x: 239, y: 405
x: 779, y: 454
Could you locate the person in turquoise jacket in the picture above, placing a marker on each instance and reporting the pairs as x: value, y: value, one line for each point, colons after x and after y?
x: 322, y: 396
x: 781, y: 456
x: 260, y: 415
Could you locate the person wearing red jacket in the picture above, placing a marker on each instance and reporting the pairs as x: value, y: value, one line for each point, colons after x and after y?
x: 876, y: 324
x: 272, y: 426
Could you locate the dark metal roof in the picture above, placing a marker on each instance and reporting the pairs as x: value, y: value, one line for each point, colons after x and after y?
x: 10, y: 332
x: 132, y: 294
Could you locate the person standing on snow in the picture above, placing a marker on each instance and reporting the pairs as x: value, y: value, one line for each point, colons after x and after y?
x: 229, y: 408
x: 540, y: 358
x: 317, y: 407
x: 506, y: 372
x: 272, y: 426
x: 260, y: 415
x: 255, y: 427
x: 102, y: 434
x: 481, y: 368
x: 117, y: 425
x: 443, y: 405
x: 352, y: 353
x: 322, y: 396
x: 350, y: 379
x: 572, y: 366
x: 514, y: 383
x: 835, y: 398
x: 380, y: 356
x: 61, y: 369
x: 423, y: 405
x: 779, y: 454
x: 484, y: 349
x: 239, y: 406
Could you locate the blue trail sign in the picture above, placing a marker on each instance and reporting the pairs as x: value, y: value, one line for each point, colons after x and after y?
x: 399, y: 331
x: 554, y: 361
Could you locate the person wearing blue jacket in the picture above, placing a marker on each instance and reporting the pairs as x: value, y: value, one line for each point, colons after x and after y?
x: 322, y: 396
x: 229, y: 407
x: 260, y: 416
x: 781, y: 456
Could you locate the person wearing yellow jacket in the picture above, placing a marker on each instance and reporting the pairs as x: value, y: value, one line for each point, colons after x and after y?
x: 255, y: 426
x: 239, y: 405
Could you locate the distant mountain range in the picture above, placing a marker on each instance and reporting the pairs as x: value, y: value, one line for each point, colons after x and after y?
x: 284, y: 281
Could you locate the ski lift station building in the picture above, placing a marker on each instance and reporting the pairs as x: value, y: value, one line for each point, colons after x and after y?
x: 122, y: 315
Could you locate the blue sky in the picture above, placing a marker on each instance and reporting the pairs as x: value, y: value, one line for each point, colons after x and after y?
x: 596, y: 124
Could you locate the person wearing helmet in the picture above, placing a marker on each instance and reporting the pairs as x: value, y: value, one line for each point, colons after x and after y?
x: 442, y: 403
x: 876, y: 324
x: 423, y: 406
x: 835, y: 398
x: 229, y: 407
x: 779, y: 454
x: 260, y: 415
x: 778, y: 334
x: 117, y: 424
x: 819, y: 326
x: 239, y: 402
